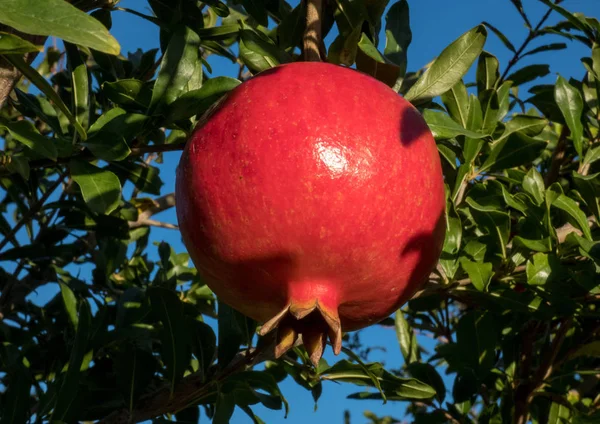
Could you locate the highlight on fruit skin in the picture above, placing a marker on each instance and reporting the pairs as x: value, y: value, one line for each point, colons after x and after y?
x: 311, y: 199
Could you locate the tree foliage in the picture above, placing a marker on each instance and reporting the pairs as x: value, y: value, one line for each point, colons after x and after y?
x: 513, y: 304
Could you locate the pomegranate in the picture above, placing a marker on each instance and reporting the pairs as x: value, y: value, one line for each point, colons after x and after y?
x: 311, y: 198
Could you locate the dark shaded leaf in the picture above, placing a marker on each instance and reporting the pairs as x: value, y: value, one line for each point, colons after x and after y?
x: 528, y: 73
x: 175, y: 347
x: 546, y: 48
x: 398, y: 35
x: 197, y: 102
x: 70, y: 383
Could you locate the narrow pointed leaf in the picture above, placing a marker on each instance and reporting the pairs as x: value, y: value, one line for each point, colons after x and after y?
x: 176, y: 68
x: 443, y: 127
x: 398, y: 35
x: 175, y: 348
x: 13, y: 44
x: 450, y: 66
x: 501, y: 36
x: 515, y: 150
x: 70, y: 384
x: 570, y: 102
x: 406, y: 338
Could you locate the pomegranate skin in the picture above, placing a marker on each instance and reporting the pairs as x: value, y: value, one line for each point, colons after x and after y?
x: 312, y: 185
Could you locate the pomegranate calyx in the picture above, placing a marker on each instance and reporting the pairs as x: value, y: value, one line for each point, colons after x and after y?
x: 312, y: 323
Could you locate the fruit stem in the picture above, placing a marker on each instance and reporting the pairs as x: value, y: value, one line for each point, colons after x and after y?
x: 313, y: 35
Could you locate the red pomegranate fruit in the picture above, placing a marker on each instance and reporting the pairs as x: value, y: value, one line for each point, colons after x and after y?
x: 311, y: 198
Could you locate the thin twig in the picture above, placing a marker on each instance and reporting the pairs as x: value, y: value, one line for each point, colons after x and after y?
x: 532, y: 34
x: 88, y: 156
x: 31, y: 212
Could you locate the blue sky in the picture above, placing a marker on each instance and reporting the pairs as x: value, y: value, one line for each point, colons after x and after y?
x: 435, y: 23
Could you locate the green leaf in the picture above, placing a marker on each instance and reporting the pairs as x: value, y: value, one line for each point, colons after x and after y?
x: 538, y: 270
x: 80, y: 85
x: 572, y: 208
x: 453, y: 235
x: 44, y: 86
x: 543, y: 245
x: 456, y: 101
x: 515, y: 150
x: 450, y: 66
x: 527, y: 124
x: 39, y: 106
x: 20, y: 165
x: 570, y: 102
x: 577, y: 23
x: 175, y: 347
x: 127, y: 92
x: 528, y: 73
x: 406, y: 338
x: 26, y: 133
x: 108, y: 146
x: 559, y: 413
x: 16, y: 396
x: 135, y: 368
x: 592, y: 155
x: 70, y: 383
x: 473, y: 146
x: 204, y: 343
x: 60, y: 19
x: 588, y: 188
x: 501, y: 36
x: 398, y: 35
x: 197, y: 102
x: 258, y: 10
x: 224, y: 408
x: 145, y: 177
x: 369, y: 49
x: 591, y: 349
x: 221, y: 32
x: 176, y: 68
x: 488, y: 72
x: 100, y: 188
x: 232, y: 330
x: 343, y: 49
x: 545, y: 48
x: 12, y: 44
x: 444, y: 127
x: 291, y: 28
x: 476, y: 336
x: 258, y: 53
x: 533, y: 183
x: 480, y: 274
x: 395, y: 388
x: 428, y: 375
x: 70, y: 302
x: 491, y: 109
